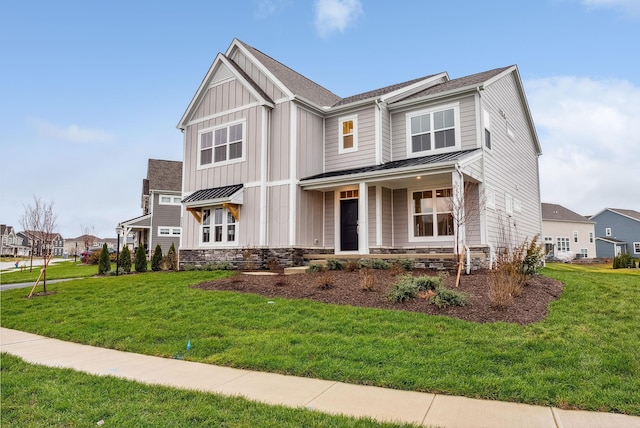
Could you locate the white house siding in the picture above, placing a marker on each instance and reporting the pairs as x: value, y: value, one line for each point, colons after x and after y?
x: 279, y: 149
x: 310, y: 147
x: 329, y: 219
x: 385, y: 133
x: 257, y: 75
x: 468, y: 136
x: 472, y: 223
x: 366, y: 153
x: 249, y: 225
x: 387, y: 217
x: 511, y: 166
x: 310, y: 218
x: 371, y: 218
x: 278, y: 219
x: 565, y: 229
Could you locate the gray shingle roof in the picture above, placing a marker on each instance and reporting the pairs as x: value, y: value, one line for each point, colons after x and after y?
x: 213, y: 193
x: 555, y: 212
x: 296, y: 82
x: 163, y: 175
x: 424, y: 160
x: 629, y: 213
x: 379, y: 92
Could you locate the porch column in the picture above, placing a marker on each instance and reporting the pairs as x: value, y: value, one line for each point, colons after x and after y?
x: 363, y: 218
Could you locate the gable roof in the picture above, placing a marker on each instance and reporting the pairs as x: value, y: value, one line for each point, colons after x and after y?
x: 555, y: 212
x: 632, y: 214
x: 163, y: 175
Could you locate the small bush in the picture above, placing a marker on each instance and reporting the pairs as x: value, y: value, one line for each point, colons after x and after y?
x: 406, y: 264
x: 273, y: 265
x: 104, y: 265
x: 374, y: 264
x: 189, y: 268
x: 533, y: 256
x: 424, y: 283
x: 352, y: 266
x: 141, y: 259
x: 314, y: 268
x: 125, y: 259
x: 94, y: 258
x: 445, y: 297
x: 623, y: 261
x: 156, y: 260
x: 334, y: 264
x: 249, y: 257
x: 325, y: 280
x: 367, y: 280
x: 403, y: 289
x: 171, y: 259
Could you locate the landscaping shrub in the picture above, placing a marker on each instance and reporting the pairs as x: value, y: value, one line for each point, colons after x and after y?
x: 367, y: 280
x: 104, y: 264
x: 374, y: 264
x: 446, y: 297
x: 141, y: 259
x: 334, y: 264
x: 273, y: 265
x: 125, y: 260
x: 325, y: 280
x: 352, y: 266
x: 406, y: 264
x: 314, y: 268
x: 156, y: 260
x: 403, y: 289
x: 171, y: 259
x: 424, y: 283
x: 94, y: 257
x: 623, y: 261
x: 533, y: 256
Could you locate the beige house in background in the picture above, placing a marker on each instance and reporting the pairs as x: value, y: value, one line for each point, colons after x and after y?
x: 275, y: 163
x: 566, y: 233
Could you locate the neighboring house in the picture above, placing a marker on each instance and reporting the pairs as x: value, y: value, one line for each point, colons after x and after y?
x: 43, y: 243
x: 161, y: 208
x: 566, y: 233
x: 12, y: 244
x: 75, y: 246
x: 277, y: 163
x: 617, y: 231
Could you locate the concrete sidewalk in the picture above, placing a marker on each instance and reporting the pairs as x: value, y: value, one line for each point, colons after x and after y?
x: 325, y: 396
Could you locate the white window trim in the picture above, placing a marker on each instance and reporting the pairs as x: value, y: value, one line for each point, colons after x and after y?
x: 565, y: 239
x: 636, y: 248
x: 213, y: 163
x: 175, y: 200
x: 591, y: 237
x: 490, y: 197
x: 607, y: 231
x: 172, y: 231
x: 212, y: 243
x: 411, y: 215
x: 575, y: 236
x: 456, y: 126
x: 341, y: 148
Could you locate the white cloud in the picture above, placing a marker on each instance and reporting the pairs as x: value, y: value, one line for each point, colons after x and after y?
x: 336, y: 15
x: 266, y: 8
x: 72, y: 133
x: 630, y: 6
x: 590, y: 139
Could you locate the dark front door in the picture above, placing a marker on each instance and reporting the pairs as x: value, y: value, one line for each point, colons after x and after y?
x: 349, y: 225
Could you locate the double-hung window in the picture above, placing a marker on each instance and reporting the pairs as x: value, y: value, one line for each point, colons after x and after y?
x: 219, y: 226
x: 348, y: 134
x: 431, y: 213
x: 563, y: 245
x: 221, y: 145
x: 433, y: 131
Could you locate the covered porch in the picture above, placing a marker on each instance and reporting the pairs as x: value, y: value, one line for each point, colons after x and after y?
x: 139, y: 228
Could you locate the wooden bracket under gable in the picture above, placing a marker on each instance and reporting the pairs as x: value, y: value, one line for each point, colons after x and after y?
x: 234, y: 209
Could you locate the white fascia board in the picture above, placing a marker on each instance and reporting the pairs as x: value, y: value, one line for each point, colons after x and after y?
x: 248, y: 85
x: 416, y: 87
x: 236, y: 44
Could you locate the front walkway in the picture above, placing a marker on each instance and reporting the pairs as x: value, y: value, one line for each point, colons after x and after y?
x: 321, y: 395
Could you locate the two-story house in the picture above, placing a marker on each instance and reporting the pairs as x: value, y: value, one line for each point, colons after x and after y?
x: 42, y: 243
x: 11, y: 244
x: 161, y: 208
x: 617, y: 231
x: 273, y: 161
x: 566, y: 233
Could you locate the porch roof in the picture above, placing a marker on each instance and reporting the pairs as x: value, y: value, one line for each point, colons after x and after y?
x: 423, y: 163
x: 144, y: 222
x: 231, y: 193
x: 611, y: 240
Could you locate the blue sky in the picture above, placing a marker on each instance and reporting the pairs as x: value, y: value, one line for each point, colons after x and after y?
x: 90, y: 90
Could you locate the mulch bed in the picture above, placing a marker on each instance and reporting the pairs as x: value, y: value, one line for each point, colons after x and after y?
x: 531, y: 306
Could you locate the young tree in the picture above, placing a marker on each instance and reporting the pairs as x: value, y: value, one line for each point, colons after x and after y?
x: 172, y: 258
x: 125, y: 259
x: 104, y: 265
x: 156, y: 259
x: 88, y: 236
x: 141, y: 259
x: 39, y: 222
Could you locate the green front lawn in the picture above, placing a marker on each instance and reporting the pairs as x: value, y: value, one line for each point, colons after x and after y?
x: 584, y: 355
x: 59, y: 270
x: 37, y: 396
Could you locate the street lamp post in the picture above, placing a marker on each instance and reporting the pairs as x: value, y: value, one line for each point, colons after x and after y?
x: 118, y: 229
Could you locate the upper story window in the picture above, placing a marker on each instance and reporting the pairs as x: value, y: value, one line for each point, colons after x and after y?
x: 487, y: 129
x: 575, y: 236
x: 433, y: 131
x: 348, y: 138
x: 221, y: 145
x: 591, y: 237
x: 170, y: 200
x: 607, y: 231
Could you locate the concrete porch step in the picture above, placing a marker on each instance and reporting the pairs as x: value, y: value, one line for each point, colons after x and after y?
x: 295, y: 270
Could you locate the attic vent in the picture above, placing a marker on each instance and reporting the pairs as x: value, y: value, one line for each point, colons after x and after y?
x: 221, y: 74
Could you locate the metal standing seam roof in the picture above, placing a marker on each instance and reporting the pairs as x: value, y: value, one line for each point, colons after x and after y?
x: 213, y: 193
x: 424, y: 160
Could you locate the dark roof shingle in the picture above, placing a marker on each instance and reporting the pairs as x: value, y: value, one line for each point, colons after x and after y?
x: 163, y: 175
x: 555, y: 212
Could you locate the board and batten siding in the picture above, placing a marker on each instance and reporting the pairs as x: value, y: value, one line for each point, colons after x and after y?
x: 279, y: 150
x: 511, y: 166
x: 221, y: 98
x: 385, y: 134
x: 371, y: 218
x: 387, y: 217
x: 467, y: 126
x: 256, y: 74
x: 309, y: 128
x: 309, y: 214
x: 329, y: 219
x: 366, y: 153
x: 278, y: 219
